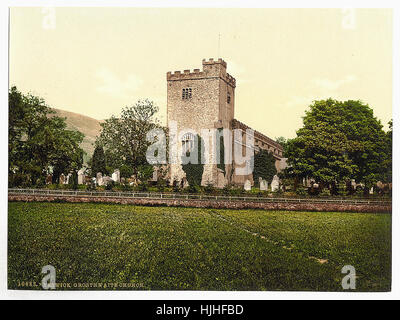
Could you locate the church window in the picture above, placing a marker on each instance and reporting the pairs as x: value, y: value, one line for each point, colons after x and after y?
x: 228, y: 98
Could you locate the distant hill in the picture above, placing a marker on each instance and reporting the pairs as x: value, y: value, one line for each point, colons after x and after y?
x: 90, y: 127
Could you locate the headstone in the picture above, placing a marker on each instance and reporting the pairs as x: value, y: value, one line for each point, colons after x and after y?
x: 116, y: 176
x: 275, y: 184
x: 94, y: 181
x: 155, y: 175
x: 62, y: 178
x: 263, y: 185
x: 353, y: 184
x: 49, y: 179
x: 371, y: 191
x: 247, y: 185
x: 221, y: 179
x: 68, y: 179
x: 99, y: 178
x: 81, y: 177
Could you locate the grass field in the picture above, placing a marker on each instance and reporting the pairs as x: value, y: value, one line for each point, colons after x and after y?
x: 161, y: 248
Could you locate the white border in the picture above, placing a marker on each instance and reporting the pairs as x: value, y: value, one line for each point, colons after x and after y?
x: 190, y: 295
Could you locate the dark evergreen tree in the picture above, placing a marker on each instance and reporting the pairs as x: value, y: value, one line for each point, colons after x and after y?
x: 264, y: 166
x: 98, y: 161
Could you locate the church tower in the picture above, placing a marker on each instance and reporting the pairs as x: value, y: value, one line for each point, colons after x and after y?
x: 200, y: 100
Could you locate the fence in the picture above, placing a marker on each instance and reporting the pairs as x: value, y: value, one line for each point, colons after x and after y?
x: 153, y: 195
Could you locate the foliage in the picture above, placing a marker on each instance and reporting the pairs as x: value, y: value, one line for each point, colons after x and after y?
x: 264, y: 166
x: 387, y: 163
x: 209, y: 188
x: 339, y: 141
x: 124, y: 138
x: 194, y: 171
x: 145, y: 172
x: 283, y: 142
x: 301, y: 191
x: 125, y: 171
x: 38, y: 142
x: 221, y: 150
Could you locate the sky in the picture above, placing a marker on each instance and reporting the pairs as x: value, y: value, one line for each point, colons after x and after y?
x: 95, y: 61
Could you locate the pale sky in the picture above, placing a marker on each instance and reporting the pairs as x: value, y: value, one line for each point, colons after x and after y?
x: 95, y: 61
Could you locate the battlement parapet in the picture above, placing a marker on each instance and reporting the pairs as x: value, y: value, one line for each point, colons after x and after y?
x: 212, y: 61
x: 186, y: 75
x: 207, y: 72
x: 231, y: 80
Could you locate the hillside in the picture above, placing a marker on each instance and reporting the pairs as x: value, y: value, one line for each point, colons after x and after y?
x: 90, y: 127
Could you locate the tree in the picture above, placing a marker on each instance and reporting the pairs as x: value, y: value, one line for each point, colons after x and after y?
x: 387, y: 164
x: 124, y: 138
x: 125, y: 171
x: 339, y: 141
x: 283, y: 142
x: 98, y: 162
x: 264, y: 166
x: 39, y: 141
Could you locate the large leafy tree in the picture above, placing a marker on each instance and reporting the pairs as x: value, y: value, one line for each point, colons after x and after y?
x: 124, y: 138
x: 338, y: 141
x: 264, y: 166
x: 38, y: 141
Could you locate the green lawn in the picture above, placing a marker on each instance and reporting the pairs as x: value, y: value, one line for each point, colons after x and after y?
x: 161, y: 248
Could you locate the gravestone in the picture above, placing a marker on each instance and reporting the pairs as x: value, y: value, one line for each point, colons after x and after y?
x: 116, y: 176
x: 247, y: 185
x: 155, y: 175
x: 99, y: 178
x: 68, y: 179
x: 81, y: 177
x: 263, y: 185
x: 275, y: 184
x: 49, y: 179
x: 62, y: 178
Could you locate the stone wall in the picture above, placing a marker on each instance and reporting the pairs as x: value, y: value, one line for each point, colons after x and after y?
x: 216, y: 204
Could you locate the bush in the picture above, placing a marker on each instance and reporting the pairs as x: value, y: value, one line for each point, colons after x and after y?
x: 176, y: 186
x: 210, y: 189
x: 325, y: 193
x: 109, y: 186
x: 301, y: 192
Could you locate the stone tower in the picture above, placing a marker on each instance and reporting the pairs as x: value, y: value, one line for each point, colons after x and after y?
x: 200, y: 100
